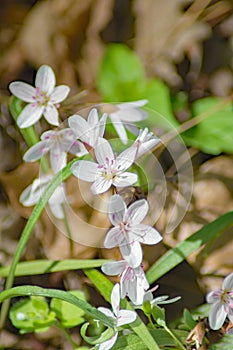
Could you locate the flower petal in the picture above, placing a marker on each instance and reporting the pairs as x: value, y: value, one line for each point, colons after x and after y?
x: 228, y: 283
x: 58, y: 158
x: 137, y: 211
x: 108, y: 344
x: 126, y: 317
x: 59, y: 93
x: 106, y: 311
x: 113, y: 238
x: 37, y: 151
x: 132, y: 115
x: 93, y: 117
x: 145, y: 234
x: 126, y: 158
x: 115, y: 299
x: 114, y: 268
x: 116, y: 209
x: 102, y: 123
x: 217, y: 316
x: 132, y: 253
x: 85, y: 170
x: 118, y: 125
x: 101, y: 185
x: 133, y: 104
x: 103, y: 151
x: 51, y: 114
x: 45, y: 79
x: 79, y: 126
x: 125, y: 179
x: 29, y: 116
x: 23, y: 91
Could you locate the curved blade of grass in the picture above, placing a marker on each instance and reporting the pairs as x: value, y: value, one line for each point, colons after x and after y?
x: 54, y: 183
x: 41, y: 266
x: 104, y: 286
x: 59, y: 294
x: 175, y: 256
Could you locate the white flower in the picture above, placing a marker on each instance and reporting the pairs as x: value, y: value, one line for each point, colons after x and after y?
x: 144, y: 142
x: 88, y: 131
x: 31, y: 195
x: 110, y: 170
x: 121, y: 317
x: 133, y: 280
x: 222, y: 301
x: 128, y: 231
x: 58, y: 143
x: 43, y: 99
x: 124, y: 113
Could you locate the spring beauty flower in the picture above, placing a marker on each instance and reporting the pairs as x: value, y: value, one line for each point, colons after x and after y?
x: 121, y: 317
x: 222, y: 303
x: 123, y: 114
x: 144, y: 142
x: 88, y: 131
x: 43, y: 99
x: 109, y: 169
x: 128, y: 231
x: 57, y: 143
x: 31, y: 195
x: 133, y: 281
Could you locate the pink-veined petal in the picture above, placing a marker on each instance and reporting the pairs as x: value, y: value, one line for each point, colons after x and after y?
x: 137, y: 211
x: 29, y: 116
x: 228, y: 282
x: 114, y: 268
x: 106, y: 311
x: 132, y: 253
x: 126, y: 158
x: 79, y: 126
x: 125, y: 179
x: 23, y: 91
x: 113, y: 238
x: 145, y: 234
x: 125, y: 317
x: 45, y: 79
x: 47, y: 135
x: 116, y: 209
x: 115, y: 299
x: 100, y: 185
x: 58, y: 159
x: 51, y: 114
x: 103, y: 151
x: 59, y: 93
x: 118, y: 125
x: 108, y: 344
x: 217, y: 316
x: 85, y: 170
x: 37, y: 151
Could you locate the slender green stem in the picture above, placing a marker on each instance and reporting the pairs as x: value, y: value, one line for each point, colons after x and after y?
x: 67, y: 335
x: 68, y: 230
x: 179, y: 344
x: 150, y: 321
x: 55, y: 182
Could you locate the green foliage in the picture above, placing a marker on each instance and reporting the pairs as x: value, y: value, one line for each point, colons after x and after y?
x: 32, y: 315
x: 224, y: 344
x: 122, y: 78
x: 213, y: 134
x: 106, y: 335
x: 68, y: 315
x: 188, y: 319
x: 158, y: 314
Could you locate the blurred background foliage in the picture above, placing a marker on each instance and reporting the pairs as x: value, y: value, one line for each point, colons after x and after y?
x: 178, y: 55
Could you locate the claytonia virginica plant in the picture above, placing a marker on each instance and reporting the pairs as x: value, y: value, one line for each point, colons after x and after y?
x: 109, y: 169
x: 133, y: 280
x: 144, y: 142
x: 88, y: 131
x: 222, y: 303
x: 43, y: 99
x: 121, y: 317
x: 123, y: 114
x: 128, y: 231
x: 58, y: 143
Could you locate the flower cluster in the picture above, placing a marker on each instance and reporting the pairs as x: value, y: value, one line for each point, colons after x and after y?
x: 106, y: 171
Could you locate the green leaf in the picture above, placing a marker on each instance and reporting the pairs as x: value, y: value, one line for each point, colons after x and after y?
x: 38, y: 267
x: 106, y: 335
x: 59, y: 294
x: 158, y: 314
x: 175, y: 256
x: 188, y: 319
x: 213, y: 134
x: 69, y: 315
x: 121, y: 76
x: 224, y: 344
x: 32, y: 315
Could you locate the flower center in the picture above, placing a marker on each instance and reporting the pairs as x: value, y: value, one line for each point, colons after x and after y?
x: 41, y: 98
x: 108, y: 170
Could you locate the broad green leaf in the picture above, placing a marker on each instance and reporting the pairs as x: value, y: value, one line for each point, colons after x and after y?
x: 32, y: 315
x: 158, y: 314
x: 188, y: 319
x: 59, y: 294
x: 175, y: 256
x: 69, y: 315
x: 121, y: 76
x: 213, y: 134
x: 38, y: 267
